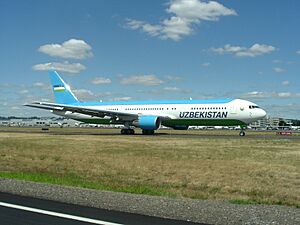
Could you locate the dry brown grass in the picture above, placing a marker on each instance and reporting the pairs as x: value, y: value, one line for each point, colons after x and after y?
x: 246, y: 169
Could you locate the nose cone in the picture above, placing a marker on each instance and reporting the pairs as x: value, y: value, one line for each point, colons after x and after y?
x: 262, y: 114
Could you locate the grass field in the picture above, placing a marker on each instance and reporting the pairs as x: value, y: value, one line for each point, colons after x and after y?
x: 201, y: 166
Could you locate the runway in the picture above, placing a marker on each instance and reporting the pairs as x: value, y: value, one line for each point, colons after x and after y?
x: 163, y: 133
x: 19, y: 210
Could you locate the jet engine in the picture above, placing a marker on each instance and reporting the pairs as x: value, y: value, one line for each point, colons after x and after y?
x: 147, y: 122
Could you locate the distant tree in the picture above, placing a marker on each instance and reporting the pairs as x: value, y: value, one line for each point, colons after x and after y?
x: 282, y: 123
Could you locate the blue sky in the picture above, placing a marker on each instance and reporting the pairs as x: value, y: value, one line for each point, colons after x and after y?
x: 146, y: 50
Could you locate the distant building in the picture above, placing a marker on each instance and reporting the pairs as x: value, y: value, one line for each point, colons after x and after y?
x: 38, y: 122
x: 274, y: 121
x: 261, y: 124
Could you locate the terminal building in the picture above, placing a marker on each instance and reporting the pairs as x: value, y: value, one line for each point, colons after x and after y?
x: 268, y: 123
x: 273, y: 123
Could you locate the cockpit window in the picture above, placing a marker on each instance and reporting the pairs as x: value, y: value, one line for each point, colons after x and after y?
x: 253, y: 107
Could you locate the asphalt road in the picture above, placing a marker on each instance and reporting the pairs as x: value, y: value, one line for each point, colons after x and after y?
x: 19, y: 210
x: 187, y: 134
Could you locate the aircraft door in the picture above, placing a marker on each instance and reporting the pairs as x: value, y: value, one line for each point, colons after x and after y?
x: 233, y: 109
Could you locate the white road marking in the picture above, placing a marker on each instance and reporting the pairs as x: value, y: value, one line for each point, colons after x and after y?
x: 61, y: 215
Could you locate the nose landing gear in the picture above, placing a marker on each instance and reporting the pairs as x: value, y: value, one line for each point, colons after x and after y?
x: 242, y: 132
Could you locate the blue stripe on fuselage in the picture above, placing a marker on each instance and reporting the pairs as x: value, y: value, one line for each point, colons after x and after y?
x: 216, y: 101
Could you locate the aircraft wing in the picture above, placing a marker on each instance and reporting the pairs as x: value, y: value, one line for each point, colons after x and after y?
x: 83, y: 110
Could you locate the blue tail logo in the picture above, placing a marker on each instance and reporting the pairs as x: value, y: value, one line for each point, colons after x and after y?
x: 62, y: 91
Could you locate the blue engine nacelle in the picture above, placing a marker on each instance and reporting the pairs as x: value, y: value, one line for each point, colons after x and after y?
x: 148, y: 122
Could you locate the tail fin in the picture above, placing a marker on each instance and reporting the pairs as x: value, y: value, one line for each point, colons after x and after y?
x: 61, y: 90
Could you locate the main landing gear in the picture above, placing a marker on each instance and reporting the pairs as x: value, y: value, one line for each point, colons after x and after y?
x: 127, y: 131
x: 148, y: 132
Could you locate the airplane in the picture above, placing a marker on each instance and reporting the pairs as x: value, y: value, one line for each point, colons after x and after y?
x: 151, y: 115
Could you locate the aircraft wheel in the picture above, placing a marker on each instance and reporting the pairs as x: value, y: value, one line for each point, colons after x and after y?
x: 127, y: 131
x: 148, y: 132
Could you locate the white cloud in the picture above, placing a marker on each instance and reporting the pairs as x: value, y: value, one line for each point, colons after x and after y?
x: 173, y: 78
x: 298, y: 52
x: 176, y: 89
x: 5, y: 85
x: 276, y: 61
x: 253, y: 51
x: 286, y: 83
x: 122, y: 98
x: 283, y: 110
x: 25, y: 91
x: 172, y: 89
x: 278, y: 70
x: 152, y: 30
x: 259, y: 94
x: 257, y: 49
x: 63, y: 67
x: 152, y: 91
x: 174, y: 28
x: 134, y: 24
x: 284, y: 94
x: 184, y: 15
x: 199, y: 10
x: 107, y: 93
x: 16, y: 108
x: 206, y: 64
x: 147, y: 80
x: 39, y: 84
x: 255, y: 94
x: 83, y: 93
x: 101, y: 80
x: 71, y: 49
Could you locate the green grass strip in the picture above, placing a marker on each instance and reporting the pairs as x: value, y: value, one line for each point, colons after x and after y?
x: 76, y: 181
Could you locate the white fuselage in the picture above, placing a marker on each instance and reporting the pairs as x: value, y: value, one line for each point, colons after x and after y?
x: 235, y: 110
